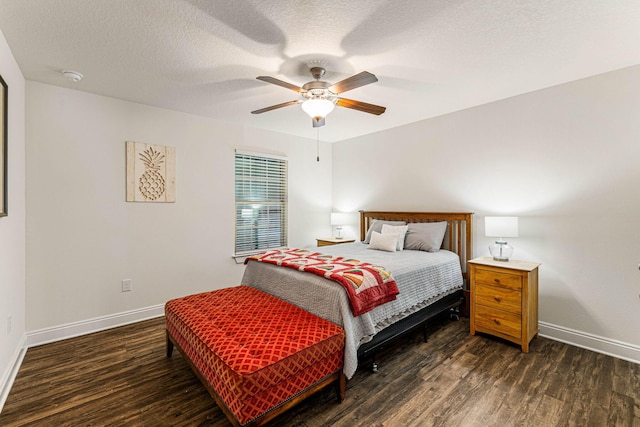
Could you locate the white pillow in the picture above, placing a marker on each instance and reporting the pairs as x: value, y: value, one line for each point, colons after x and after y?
x: 400, y: 230
x: 383, y: 242
x: 376, y: 225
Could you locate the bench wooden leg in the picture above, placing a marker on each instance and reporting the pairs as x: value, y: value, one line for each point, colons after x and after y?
x: 169, y: 345
x: 341, y: 387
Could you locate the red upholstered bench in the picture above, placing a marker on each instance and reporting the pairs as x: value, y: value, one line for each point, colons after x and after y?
x: 256, y: 354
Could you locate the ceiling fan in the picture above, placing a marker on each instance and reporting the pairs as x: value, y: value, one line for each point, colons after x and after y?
x: 320, y: 97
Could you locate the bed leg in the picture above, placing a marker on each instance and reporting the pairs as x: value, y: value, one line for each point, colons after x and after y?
x: 374, y: 365
x: 454, y: 313
x: 426, y: 335
x: 169, y: 345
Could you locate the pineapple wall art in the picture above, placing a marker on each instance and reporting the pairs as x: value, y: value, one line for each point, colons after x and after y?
x: 151, y: 173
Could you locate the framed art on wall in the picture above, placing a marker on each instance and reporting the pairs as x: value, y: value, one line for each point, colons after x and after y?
x: 4, y: 103
x: 151, y: 173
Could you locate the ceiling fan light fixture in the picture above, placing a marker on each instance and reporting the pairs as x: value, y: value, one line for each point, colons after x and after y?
x: 319, y: 98
x: 318, y: 108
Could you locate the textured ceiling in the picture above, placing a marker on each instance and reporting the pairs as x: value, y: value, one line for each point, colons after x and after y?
x: 432, y: 57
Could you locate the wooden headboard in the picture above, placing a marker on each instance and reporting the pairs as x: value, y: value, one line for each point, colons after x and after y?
x: 459, y: 234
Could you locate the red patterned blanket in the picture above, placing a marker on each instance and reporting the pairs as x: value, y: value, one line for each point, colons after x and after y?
x: 367, y: 285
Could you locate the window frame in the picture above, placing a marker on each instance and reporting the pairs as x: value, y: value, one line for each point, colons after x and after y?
x: 261, y: 198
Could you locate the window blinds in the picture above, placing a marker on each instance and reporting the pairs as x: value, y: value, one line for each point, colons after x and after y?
x: 261, y: 202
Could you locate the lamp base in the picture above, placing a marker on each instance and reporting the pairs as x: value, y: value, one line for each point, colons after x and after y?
x: 501, y: 251
x: 339, y: 233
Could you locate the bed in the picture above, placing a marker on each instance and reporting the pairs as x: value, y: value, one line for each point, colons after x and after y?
x: 430, y: 283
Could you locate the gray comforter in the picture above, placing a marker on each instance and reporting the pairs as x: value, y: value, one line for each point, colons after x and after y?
x: 422, y: 278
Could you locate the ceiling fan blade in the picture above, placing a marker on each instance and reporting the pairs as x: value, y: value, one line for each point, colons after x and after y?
x: 279, y: 82
x: 273, y: 107
x: 360, y: 79
x: 361, y: 106
x: 317, y: 123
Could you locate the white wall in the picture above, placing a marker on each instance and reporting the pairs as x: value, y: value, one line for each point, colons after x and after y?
x: 12, y: 228
x: 570, y: 154
x: 566, y: 160
x: 83, y: 239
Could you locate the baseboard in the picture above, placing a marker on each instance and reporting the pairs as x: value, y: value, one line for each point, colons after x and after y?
x: 584, y: 340
x: 70, y: 330
x: 9, y: 377
x: 591, y: 342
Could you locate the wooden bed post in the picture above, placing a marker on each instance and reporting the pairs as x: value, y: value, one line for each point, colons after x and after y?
x: 363, y: 226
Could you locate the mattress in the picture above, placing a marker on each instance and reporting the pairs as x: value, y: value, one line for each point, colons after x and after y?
x: 422, y: 278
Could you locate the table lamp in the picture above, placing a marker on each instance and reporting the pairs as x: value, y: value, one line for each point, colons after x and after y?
x: 339, y: 219
x: 501, y: 227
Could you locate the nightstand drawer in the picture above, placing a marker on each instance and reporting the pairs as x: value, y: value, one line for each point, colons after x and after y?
x: 500, y: 298
x: 506, y: 280
x: 498, y: 321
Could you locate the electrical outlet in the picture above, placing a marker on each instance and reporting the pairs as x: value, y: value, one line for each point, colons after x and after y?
x: 126, y: 285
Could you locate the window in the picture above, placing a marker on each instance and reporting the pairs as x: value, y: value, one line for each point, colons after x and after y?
x: 261, y: 202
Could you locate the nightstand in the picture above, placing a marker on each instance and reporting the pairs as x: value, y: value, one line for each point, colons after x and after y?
x: 330, y: 241
x: 504, y: 299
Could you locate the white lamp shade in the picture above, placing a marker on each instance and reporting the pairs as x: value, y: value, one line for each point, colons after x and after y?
x: 344, y: 218
x: 501, y: 226
x: 317, y: 108
x: 341, y: 218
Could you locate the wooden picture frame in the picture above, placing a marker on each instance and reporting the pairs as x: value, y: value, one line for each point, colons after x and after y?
x: 151, y: 173
x: 4, y: 106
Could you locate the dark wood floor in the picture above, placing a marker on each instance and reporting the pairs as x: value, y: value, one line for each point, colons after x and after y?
x: 122, y: 377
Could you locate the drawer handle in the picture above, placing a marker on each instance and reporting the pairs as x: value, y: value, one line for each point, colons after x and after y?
x: 496, y: 321
x: 496, y: 280
x: 497, y: 299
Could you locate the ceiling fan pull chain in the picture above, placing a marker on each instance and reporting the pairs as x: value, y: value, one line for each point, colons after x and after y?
x: 317, y: 144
